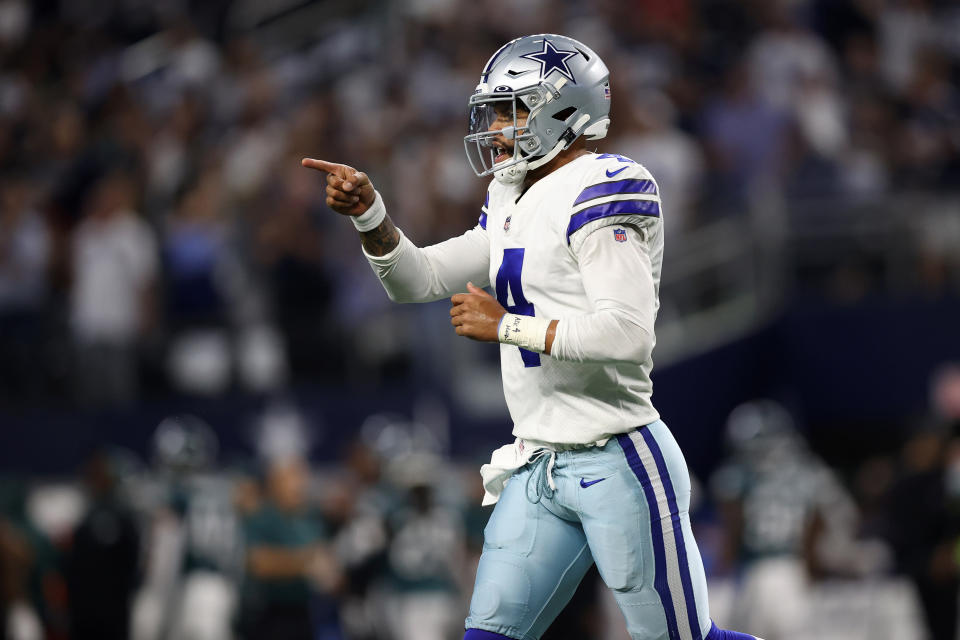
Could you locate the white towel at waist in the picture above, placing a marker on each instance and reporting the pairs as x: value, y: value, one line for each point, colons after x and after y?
x: 510, y: 457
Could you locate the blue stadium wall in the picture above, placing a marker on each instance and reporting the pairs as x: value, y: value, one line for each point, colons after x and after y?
x: 856, y: 376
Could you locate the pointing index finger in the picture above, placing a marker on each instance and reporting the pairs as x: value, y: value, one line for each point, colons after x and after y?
x: 322, y: 165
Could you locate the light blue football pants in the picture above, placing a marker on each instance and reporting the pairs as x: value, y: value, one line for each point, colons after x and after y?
x: 623, y: 506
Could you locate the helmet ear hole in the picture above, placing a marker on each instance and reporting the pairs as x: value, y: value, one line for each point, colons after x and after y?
x: 563, y: 114
x: 597, y: 129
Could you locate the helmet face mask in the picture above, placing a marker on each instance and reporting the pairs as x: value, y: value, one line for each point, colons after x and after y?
x: 479, y: 143
x: 562, y: 84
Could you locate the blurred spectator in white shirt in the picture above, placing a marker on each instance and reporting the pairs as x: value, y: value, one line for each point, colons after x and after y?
x: 114, y: 267
x: 786, y: 54
x: 905, y: 28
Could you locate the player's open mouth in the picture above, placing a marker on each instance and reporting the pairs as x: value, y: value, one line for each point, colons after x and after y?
x: 502, y: 154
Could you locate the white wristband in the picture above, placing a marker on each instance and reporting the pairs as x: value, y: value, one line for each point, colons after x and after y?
x: 526, y: 332
x: 372, y: 217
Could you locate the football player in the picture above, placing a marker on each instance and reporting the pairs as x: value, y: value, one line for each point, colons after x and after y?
x: 572, y: 243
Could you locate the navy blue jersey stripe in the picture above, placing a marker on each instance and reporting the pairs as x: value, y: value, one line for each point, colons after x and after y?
x: 483, y: 221
x: 685, y: 580
x: 619, y: 208
x: 613, y: 188
x: 660, y: 583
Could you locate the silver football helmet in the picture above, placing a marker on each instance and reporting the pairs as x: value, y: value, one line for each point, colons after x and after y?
x: 563, y: 84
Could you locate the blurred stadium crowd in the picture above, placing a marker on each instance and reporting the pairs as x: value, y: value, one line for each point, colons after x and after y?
x: 155, y: 219
x: 157, y: 235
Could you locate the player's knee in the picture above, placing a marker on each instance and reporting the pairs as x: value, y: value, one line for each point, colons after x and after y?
x: 504, y: 602
x: 618, y: 558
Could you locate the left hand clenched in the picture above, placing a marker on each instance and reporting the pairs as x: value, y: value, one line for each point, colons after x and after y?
x: 476, y: 314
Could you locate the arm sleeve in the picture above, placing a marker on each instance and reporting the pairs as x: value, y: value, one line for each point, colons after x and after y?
x: 413, y: 274
x: 618, y: 280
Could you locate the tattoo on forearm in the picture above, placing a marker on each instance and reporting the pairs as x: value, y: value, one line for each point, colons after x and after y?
x: 382, y: 240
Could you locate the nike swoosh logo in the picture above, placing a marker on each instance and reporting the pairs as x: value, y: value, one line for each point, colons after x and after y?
x: 584, y: 483
x: 610, y: 174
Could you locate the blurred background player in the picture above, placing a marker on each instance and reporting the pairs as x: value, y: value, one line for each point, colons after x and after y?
x: 925, y: 507
x: 102, y: 567
x: 781, y: 508
x: 425, y: 553
x: 194, y: 544
x: 291, y: 571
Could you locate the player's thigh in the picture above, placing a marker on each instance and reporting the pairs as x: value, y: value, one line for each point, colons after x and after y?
x: 640, y: 536
x: 531, y: 564
x: 616, y: 522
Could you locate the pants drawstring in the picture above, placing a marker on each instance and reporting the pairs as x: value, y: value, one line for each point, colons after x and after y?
x: 543, y: 460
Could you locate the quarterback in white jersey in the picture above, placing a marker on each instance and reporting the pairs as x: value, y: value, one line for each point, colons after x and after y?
x: 571, y: 243
x: 583, y: 245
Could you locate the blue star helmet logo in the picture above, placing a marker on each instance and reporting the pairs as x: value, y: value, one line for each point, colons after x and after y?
x: 552, y: 59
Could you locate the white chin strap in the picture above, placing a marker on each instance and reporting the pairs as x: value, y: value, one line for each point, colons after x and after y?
x: 515, y: 173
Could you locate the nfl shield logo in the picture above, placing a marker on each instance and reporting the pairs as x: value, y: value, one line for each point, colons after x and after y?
x: 620, y: 235
x: 506, y: 224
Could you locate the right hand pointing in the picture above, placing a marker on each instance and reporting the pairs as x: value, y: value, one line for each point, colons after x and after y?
x: 349, y: 192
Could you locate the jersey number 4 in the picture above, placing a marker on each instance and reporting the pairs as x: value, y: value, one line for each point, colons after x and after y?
x: 508, y: 283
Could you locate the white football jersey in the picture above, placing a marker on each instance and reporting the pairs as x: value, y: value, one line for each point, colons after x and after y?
x: 534, y: 246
